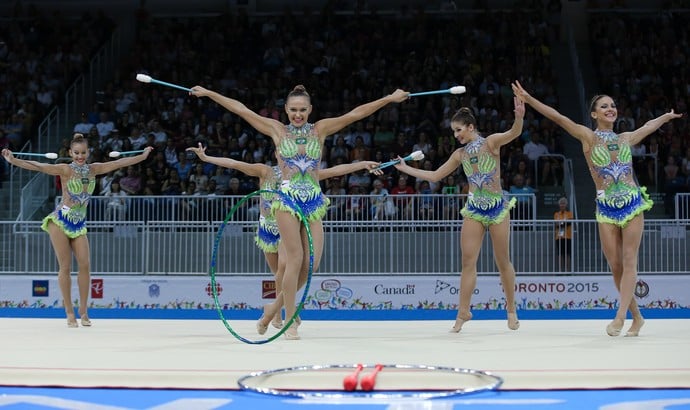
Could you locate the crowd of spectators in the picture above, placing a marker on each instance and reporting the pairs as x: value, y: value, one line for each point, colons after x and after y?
x: 642, y: 63
x: 342, y: 60
x: 41, y: 53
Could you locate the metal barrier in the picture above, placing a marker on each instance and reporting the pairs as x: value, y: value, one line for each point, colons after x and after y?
x: 682, y: 205
x: 155, y: 238
x: 352, y: 209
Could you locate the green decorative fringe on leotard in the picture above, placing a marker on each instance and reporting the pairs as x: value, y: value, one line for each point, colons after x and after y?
x: 623, y: 215
x: 489, y: 216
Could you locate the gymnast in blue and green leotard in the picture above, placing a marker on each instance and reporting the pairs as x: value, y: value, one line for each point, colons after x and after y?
x: 299, y: 145
x: 71, y: 219
x: 486, y: 208
x: 66, y: 225
x: 267, y: 236
x: 620, y: 201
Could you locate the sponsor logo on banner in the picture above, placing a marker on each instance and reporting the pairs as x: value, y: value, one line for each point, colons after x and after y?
x: 96, y: 288
x: 209, y: 289
x: 39, y: 288
x: 381, y: 289
x: 268, y: 289
x: 641, y: 289
x: 154, y: 290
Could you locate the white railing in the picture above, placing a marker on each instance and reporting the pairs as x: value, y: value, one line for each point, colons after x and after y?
x: 165, y: 243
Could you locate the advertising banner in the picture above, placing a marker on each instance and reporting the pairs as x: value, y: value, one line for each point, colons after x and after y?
x: 346, y: 292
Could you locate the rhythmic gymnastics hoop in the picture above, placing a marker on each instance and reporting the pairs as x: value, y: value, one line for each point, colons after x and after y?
x: 214, y: 256
x: 495, y: 383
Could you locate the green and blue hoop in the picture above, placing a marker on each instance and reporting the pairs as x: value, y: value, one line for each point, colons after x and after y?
x: 214, y: 258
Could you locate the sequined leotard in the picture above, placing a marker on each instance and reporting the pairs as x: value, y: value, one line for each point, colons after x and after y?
x: 267, y: 235
x: 619, y: 198
x: 70, y: 214
x: 300, y: 153
x: 486, y: 203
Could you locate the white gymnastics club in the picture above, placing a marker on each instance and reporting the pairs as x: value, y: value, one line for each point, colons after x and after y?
x: 115, y: 154
x: 148, y: 79
x: 49, y: 155
x: 458, y: 89
x: 415, y: 156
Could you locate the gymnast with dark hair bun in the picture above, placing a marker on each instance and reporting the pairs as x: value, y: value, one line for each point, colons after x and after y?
x: 299, y: 147
x: 66, y: 225
x: 620, y: 201
x: 486, y: 208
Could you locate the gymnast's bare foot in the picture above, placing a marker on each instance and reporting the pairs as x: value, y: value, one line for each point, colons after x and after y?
x: 277, y: 321
x: 264, y: 320
x: 71, y: 320
x: 291, y: 332
x: 84, y: 317
x: 513, y: 322
x: 614, y: 328
x: 637, y: 323
x: 460, y: 321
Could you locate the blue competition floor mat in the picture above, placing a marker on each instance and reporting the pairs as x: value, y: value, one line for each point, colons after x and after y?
x: 112, y: 399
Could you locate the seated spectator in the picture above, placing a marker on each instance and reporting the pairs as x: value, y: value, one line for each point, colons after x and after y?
x: 171, y: 153
x: 356, y: 204
x: 403, y: 202
x: 115, y: 142
x: 674, y: 182
x: 200, y: 180
x: 524, y: 170
x: 358, y: 130
x: 535, y: 149
x: 339, y: 150
x: 234, y: 187
x: 360, y: 151
x: 105, y: 183
x: 116, y: 208
x: 84, y: 125
x: 214, y: 190
x: 191, y: 205
x: 451, y: 205
x: 152, y: 183
x: 63, y: 151
x: 336, y: 194
x: 361, y: 179
x: 131, y: 183
x: 523, y: 208
x: 384, y: 136
x: 138, y: 138
x: 434, y: 186
x: 401, y: 146
x: 222, y: 181
x: 104, y: 126
x: 172, y: 185
x: 423, y: 144
x: 382, y: 207
x: 183, y: 166
x: 426, y: 203
x: 160, y: 135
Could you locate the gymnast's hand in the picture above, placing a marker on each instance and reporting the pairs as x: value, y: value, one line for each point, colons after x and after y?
x: 200, y: 151
x: 371, y: 166
x: 7, y: 154
x: 199, y: 91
